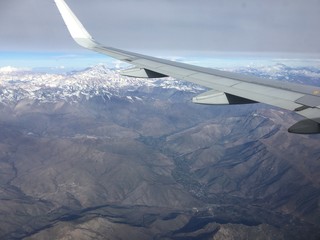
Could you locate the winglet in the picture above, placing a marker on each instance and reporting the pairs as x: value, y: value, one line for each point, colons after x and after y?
x: 76, y: 29
x: 84, y: 39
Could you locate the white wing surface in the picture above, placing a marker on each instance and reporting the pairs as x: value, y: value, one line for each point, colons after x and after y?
x: 227, y: 87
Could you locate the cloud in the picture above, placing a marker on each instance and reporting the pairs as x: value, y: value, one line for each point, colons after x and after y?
x: 169, y: 25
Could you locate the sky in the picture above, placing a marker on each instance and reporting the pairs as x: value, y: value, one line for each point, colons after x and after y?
x: 166, y: 27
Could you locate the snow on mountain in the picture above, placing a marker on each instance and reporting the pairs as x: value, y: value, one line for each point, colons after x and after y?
x: 16, y: 85
x: 303, y: 75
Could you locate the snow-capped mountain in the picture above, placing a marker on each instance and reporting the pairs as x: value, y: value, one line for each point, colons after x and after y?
x: 16, y: 84
x: 303, y: 75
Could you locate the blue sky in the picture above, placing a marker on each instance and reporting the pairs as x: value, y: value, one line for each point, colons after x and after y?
x: 67, y: 61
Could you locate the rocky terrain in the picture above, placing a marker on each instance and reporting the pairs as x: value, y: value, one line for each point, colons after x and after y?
x: 93, y: 155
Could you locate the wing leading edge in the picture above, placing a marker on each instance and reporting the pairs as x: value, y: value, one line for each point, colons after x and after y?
x: 228, y: 87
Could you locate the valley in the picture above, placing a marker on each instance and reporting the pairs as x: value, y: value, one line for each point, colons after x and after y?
x: 91, y: 154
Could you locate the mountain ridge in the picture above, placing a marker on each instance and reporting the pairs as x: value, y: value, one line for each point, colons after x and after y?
x: 154, y: 165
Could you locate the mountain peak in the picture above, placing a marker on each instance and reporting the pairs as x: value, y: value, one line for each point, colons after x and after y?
x: 101, y: 68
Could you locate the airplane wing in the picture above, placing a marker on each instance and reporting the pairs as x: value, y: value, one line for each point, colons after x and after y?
x: 227, y: 87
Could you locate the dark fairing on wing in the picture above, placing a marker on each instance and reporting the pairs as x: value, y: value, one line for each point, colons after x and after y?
x: 306, y: 126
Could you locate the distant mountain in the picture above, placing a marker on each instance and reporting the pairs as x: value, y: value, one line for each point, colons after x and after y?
x: 18, y: 84
x: 303, y: 75
x: 94, y: 155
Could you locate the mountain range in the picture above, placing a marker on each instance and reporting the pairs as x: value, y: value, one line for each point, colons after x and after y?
x: 91, y: 154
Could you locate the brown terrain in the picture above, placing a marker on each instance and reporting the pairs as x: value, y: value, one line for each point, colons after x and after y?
x: 161, y: 168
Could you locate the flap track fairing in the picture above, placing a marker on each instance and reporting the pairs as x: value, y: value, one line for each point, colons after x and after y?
x: 141, y: 73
